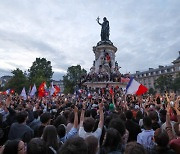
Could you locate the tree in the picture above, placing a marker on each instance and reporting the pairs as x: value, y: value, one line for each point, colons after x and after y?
x: 18, y: 81
x: 176, y: 83
x: 152, y: 91
x: 41, y: 70
x: 164, y: 83
x: 73, y: 78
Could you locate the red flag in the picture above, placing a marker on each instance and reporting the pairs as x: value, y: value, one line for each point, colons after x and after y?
x: 111, y: 91
x: 41, y: 90
x: 57, y: 90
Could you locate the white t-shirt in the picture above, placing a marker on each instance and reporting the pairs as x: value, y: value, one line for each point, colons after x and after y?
x: 145, y: 138
x: 82, y: 133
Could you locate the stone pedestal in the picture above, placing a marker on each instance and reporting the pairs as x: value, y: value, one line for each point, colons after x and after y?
x: 105, y: 69
x: 100, y: 52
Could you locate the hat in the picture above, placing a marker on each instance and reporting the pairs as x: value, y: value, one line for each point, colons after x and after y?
x: 111, y: 107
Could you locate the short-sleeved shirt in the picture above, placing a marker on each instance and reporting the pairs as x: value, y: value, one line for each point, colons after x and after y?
x: 82, y: 133
x: 145, y: 138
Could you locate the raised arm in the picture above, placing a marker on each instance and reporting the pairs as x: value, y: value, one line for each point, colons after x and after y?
x: 98, y: 21
x: 75, y: 117
x: 168, y: 123
x: 177, y: 110
x: 82, y: 114
x: 8, y: 103
x: 101, y: 120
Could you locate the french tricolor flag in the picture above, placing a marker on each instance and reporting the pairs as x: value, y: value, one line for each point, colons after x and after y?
x: 7, y: 92
x: 89, y: 95
x: 135, y: 87
x: 80, y: 91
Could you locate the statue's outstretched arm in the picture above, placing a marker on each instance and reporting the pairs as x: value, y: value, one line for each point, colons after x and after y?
x: 98, y: 21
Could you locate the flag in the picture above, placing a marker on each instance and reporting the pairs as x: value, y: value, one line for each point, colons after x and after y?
x: 7, y: 92
x: 125, y: 80
x: 45, y: 86
x: 41, y: 89
x: 135, y: 87
x: 80, y: 91
x: 52, y: 89
x: 23, y: 94
x: 89, y: 95
x: 111, y: 91
x: 33, y: 91
x: 57, y: 90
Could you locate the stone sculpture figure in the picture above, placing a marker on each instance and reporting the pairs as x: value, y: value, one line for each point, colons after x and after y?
x: 105, y: 29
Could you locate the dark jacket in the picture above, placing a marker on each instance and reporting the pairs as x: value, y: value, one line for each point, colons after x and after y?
x: 134, y: 129
x: 20, y: 131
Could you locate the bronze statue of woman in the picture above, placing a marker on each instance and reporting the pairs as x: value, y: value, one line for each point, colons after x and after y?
x: 105, y: 29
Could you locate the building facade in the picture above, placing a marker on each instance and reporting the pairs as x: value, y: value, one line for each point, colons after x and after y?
x: 4, y: 80
x: 148, y: 77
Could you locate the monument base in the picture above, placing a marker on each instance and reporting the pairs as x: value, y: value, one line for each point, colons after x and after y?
x: 104, y: 43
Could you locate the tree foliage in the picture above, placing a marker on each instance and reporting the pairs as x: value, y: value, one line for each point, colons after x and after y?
x: 73, y: 78
x: 176, y: 83
x: 152, y: 91
x: 18, y: 81
x: 41, y: 70
x: 164, y: 83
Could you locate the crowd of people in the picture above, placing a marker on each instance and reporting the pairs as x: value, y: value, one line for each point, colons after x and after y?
x: 106, y: 71
x: 105, y: 123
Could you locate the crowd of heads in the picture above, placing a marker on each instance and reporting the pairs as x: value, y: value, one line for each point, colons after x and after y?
x: 105, y: 123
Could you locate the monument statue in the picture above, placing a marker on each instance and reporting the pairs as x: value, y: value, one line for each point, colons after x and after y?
x: 105, y: 29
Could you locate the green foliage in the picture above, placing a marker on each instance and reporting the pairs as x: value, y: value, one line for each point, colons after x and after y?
x: 73, y: 78
x: 18, y: 81
x: 41, y: 70
x: 176, y: 83
x: 164, y: 83
x: 152, y: 91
